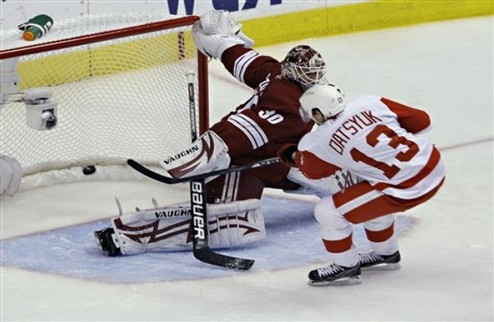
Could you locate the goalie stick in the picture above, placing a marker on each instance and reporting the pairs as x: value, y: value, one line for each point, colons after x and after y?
x: 169, y: 180
x: 201, y: 249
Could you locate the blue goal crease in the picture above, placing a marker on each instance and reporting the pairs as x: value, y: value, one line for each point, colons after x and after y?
x: 292, y: 240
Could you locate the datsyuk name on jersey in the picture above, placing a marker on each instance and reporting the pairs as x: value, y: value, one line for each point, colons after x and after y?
x: 350, y: 128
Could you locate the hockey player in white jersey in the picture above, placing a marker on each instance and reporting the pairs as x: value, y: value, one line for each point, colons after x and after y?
x: 380, y: 141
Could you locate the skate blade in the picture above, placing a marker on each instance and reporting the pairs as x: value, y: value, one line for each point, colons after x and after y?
x: 382, y: 267
x: 354, y: 280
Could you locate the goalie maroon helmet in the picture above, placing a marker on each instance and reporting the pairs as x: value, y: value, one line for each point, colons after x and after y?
x: 304, y: 65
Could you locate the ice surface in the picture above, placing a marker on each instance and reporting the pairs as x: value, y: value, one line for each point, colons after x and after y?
x: 445, y: 68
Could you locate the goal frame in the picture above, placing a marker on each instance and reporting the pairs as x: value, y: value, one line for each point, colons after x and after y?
x: 203, y: 103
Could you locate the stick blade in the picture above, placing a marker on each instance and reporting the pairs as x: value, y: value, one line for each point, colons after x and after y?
x: 206, y: 255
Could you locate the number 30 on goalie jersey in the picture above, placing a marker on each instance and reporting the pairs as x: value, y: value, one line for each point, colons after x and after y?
x: 270, y: 118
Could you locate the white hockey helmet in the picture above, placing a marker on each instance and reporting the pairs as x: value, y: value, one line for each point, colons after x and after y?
x: 304, y: 65
x: 320, y: 102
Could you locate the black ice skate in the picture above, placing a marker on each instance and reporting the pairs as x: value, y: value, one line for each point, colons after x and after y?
x: 106, y: 242
x: 373, y: 261
x: 335, y: 275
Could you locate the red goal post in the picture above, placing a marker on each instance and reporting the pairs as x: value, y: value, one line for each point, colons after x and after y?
x: 119, y: 87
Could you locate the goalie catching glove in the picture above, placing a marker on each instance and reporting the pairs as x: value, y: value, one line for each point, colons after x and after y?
x: 216, y: 31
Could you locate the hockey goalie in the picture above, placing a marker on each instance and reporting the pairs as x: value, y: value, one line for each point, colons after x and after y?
x: 254, y: 131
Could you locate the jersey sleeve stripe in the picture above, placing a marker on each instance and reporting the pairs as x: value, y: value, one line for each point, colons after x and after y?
x: 255, y: 129
x: 242, y: 63
x: 251, y: 129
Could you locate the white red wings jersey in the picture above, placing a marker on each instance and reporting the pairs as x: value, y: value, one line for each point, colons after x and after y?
x: 376, y: 139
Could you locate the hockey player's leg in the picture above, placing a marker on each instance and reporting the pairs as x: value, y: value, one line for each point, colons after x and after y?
x: 375, y: 213
x: 384, y: 253
x: 336, y: 233
x: 379, y: 227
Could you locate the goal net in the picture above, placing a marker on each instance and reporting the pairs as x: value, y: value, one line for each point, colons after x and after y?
x: 115, y: 85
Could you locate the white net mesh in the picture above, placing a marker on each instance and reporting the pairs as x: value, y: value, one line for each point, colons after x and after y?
x: 117, y: 99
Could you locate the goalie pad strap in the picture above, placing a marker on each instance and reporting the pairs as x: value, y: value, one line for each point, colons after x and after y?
x: 168, y: 228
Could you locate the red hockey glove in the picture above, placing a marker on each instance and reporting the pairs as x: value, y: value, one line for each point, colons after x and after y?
x: 287, y: 154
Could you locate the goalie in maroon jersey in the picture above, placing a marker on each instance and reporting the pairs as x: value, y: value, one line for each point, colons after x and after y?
x: 256, y: 130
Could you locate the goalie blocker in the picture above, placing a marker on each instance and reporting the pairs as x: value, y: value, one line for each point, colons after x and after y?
x: 169, y: 228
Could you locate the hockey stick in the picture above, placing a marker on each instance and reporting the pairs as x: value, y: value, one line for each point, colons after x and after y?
x: 201, y: 248
x: 169, y: 180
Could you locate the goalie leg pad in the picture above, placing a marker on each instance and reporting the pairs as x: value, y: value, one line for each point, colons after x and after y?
x: 236, y: 223
x: 208, y: 153
x: 168, y: 229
